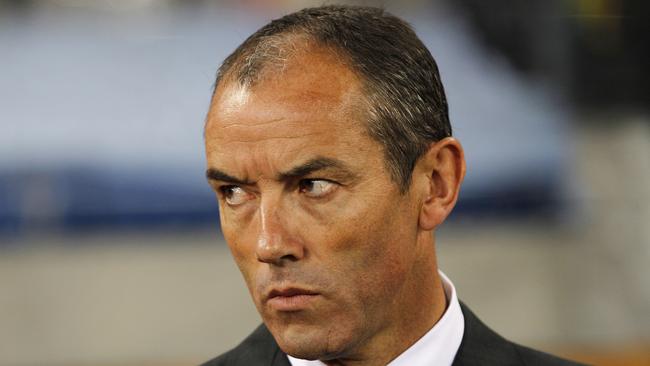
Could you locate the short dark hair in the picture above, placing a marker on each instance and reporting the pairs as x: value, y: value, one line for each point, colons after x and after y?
x: 408, y: 108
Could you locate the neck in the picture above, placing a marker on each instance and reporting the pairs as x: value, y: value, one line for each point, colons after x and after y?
x: 417, y: 308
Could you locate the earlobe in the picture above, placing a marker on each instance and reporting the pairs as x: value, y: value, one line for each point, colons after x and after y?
x: 444, y: 166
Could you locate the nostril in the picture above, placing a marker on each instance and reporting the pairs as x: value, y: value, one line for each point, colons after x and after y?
x: 278, y: 251
x: 277, y: 256
x: 289, y: 258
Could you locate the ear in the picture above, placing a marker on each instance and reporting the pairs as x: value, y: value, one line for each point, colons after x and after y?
x: 443, y: 166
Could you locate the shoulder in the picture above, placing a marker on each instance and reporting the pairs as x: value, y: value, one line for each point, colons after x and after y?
x: 482, y: 346
x: 259, y: 348
x: 533, y: 358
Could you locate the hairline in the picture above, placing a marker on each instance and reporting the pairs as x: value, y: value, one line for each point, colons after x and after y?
x: 302, y: 42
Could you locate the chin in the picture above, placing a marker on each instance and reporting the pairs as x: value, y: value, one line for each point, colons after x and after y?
x: 311, y: 343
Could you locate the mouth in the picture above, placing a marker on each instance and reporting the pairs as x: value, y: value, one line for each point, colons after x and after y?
x: 290, y: 299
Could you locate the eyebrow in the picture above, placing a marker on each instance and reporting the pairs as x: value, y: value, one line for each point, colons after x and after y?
x: 313, y: 165
x: 216, y: 174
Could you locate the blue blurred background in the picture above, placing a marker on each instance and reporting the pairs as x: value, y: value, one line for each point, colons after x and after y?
x: 101, y: 161
x: 103, y: 104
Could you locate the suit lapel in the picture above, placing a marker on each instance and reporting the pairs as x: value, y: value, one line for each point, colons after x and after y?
x: 482, y: 346
x: 280, y: 358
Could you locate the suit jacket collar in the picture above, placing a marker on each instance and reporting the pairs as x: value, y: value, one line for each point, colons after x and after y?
x: 482, y: 346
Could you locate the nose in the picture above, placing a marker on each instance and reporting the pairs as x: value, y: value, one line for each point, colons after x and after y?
x: 275, y: 243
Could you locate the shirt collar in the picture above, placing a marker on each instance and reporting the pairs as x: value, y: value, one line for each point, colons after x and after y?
x: 437, y: 347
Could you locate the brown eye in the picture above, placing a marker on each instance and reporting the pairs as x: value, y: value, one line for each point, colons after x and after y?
x: 316, y: 188
x: 234, y: 195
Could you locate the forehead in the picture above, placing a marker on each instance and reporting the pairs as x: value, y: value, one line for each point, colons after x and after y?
x: 313, y: 105
x: 314, y: 76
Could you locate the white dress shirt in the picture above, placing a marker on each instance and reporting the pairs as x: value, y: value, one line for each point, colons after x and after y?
x: 437, y: 347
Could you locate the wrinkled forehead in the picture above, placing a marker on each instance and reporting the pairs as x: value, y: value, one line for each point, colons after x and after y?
x: 314, y: 107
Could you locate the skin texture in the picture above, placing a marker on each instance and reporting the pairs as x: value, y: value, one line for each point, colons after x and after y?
x: 338, y: 227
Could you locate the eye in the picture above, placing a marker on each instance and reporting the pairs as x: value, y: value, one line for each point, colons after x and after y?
x: 234, y: 195
x: 316, y: 188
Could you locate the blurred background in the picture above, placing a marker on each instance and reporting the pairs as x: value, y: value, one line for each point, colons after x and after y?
x: 110, y: 250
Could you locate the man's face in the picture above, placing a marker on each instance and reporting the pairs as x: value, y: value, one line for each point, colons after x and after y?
x: 322, y: 236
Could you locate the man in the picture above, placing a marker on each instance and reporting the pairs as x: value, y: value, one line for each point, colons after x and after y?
x: 329, y: 147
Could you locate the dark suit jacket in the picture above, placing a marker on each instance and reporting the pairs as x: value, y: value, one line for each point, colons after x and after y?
x: 480, y: 347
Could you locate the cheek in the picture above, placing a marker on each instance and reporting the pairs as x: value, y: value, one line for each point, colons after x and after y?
x: 378, y: 266
x: 241, y: 249
x: 236, y: 227
x: 370, y: 256
x: 368, y: 231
